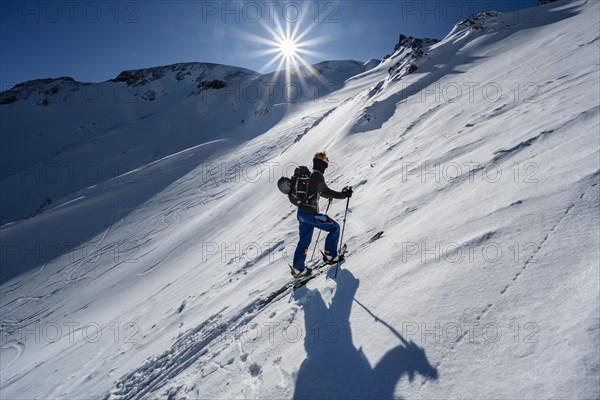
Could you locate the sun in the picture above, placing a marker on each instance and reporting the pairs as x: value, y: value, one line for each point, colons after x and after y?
x: 288, y: 48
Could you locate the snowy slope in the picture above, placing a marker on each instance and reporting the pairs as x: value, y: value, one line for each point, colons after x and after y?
x: 483, y: 284
x: 59, y: 136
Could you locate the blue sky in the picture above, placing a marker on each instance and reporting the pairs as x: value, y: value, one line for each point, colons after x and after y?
x: 93, y: 41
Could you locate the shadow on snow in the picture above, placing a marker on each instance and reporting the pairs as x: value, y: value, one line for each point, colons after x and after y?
x: 334, y: 368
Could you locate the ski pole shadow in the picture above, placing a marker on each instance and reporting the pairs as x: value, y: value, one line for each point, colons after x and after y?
x: 333, y: 367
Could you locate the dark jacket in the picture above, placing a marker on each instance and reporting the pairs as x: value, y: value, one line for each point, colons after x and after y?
x: 316, y: 188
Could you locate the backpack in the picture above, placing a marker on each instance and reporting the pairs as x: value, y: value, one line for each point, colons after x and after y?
x: 299, y: 183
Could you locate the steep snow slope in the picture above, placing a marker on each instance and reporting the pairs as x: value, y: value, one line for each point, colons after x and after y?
x: 484, y: 282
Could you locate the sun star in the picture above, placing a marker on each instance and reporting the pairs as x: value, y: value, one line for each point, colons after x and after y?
x: 288, y: 48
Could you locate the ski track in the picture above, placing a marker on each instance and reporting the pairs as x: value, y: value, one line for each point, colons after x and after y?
x: 18, y: 347
x: 190, y: 346
x: 186, y: 350
x: 66, y: 280
x: 314, y: 124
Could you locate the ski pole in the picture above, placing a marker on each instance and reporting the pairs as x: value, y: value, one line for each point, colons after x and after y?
x: 342, y: 237
x: 319, y: 234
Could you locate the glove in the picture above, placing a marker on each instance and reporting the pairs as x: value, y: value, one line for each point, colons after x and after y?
x: 347, y: 191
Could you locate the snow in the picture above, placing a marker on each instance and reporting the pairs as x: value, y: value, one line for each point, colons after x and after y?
x: 148, y: 283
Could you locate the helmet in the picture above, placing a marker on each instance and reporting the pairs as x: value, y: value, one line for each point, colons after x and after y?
x: 285, y: 185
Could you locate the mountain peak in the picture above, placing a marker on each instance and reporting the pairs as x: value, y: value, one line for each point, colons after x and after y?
x: 413, y: 43
x: 43, y: 81
x: 42, y: 87
x: 479, y: 21
x: 138, y: 77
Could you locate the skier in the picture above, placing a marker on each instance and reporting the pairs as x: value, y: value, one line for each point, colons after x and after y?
x: 310, y: 218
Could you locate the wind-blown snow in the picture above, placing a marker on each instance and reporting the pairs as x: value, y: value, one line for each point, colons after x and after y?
x: 473, y: 231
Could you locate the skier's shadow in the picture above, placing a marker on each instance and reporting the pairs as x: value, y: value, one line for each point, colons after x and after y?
x: 334, y: 368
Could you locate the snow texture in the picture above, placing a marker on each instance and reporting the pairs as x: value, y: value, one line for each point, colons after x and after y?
x: 142, y: 226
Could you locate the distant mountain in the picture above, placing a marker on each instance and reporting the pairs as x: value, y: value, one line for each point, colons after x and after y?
x: 60, y: 135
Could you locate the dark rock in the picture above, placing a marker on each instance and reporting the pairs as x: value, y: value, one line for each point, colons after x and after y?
x: 214, y: 84
x: 150, y: 95
x: 42, y: 206
x: 7, y: 98
x: 477, y: 21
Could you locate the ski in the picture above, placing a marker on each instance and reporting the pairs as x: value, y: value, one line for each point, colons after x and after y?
x: 320, y: 270
x: 323, y: 268
x: 296, y: 283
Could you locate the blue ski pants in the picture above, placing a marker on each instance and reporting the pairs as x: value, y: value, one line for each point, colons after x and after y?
x: 308, y: 222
